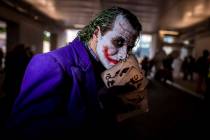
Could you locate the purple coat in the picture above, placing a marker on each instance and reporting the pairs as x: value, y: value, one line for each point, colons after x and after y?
x: 58, y: 90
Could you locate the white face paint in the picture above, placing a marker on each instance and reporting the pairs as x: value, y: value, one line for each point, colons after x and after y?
x: 114, y: 45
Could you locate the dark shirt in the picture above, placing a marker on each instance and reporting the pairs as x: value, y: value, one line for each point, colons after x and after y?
x: 98, y: 69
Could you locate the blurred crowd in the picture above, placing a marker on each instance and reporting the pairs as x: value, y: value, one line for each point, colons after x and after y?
x: 170, y: 67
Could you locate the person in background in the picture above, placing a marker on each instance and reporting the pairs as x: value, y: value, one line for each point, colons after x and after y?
x: 1, y: 59
x: 145, y: 65
x: 202, y: 67
x: 59, y: 91
x: 188, y: 67
x: 207, y: 92
x: 167, y: 68
x: 176, y: 65
x: 16, y: 62
x: 157, y: 62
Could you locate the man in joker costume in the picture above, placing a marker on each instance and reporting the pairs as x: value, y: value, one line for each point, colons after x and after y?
x: 60, y: 88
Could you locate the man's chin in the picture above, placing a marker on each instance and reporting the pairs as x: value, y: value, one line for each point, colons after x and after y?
x: 108, y: 66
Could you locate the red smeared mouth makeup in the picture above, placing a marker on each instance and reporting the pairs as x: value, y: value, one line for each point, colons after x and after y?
x: 107, y: 56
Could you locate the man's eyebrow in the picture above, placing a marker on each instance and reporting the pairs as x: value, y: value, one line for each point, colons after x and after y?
x: 125, y: 28
x: 119, y: 37
x: 129, y: 43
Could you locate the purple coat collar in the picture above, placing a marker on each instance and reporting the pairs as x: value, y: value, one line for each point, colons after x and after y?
x: 83, y: 59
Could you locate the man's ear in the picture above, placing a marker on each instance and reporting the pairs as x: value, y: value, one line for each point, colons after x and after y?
x: 97, y: 33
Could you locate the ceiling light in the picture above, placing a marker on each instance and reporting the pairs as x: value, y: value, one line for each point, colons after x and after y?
x: 167, y: 32
x: 188, y: 14
x: 79, y: 26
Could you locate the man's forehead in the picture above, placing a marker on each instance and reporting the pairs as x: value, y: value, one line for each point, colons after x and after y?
x: 122, y: 25
x: 123, y: 28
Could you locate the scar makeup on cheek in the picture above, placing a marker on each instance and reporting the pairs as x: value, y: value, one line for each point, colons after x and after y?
x: 106, y: 54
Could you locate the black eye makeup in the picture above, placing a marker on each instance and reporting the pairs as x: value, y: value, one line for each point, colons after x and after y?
x: 118, y: 42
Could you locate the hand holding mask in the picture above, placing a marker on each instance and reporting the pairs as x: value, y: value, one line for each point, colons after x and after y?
x: 128, y: 73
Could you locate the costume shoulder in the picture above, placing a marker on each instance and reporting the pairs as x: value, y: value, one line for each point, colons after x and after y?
x: 42, y: 72
x: 73, y: 54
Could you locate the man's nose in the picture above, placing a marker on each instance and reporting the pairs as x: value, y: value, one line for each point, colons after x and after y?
x: 122, y: 53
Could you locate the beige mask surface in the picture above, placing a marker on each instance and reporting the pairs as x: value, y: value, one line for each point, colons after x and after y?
x: 125, y: 72
x: 129, y: 73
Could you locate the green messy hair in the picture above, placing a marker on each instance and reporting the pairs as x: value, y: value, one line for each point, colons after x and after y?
x: 105, y: 21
